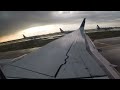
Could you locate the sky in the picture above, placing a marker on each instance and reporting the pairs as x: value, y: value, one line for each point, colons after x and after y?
x: 15, y: 23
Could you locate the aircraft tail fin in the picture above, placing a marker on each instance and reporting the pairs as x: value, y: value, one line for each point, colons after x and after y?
x: 24, y: 36
x: 61, y: 30
x: 98, y: 27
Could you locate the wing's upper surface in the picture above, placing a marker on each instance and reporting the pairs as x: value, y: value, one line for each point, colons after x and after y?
x: 66, y: 57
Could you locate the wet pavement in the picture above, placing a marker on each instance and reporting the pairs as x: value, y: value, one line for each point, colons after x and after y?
x: 17, y: 53
x: 110, y: 50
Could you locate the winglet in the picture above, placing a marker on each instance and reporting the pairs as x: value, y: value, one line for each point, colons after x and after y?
x: 83, y: 23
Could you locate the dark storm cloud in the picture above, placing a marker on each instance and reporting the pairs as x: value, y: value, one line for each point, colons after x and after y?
x: 93, y: 17
x: 12, y: 21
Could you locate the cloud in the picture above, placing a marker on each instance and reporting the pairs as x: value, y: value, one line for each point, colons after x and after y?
x: 11, y: 21
x: 14, y: 21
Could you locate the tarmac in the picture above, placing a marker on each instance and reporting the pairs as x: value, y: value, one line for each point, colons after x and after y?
x: 110, y: 50
x: 16, y: 53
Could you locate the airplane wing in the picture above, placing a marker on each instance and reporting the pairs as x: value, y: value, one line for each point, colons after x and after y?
x: 71, y: 56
